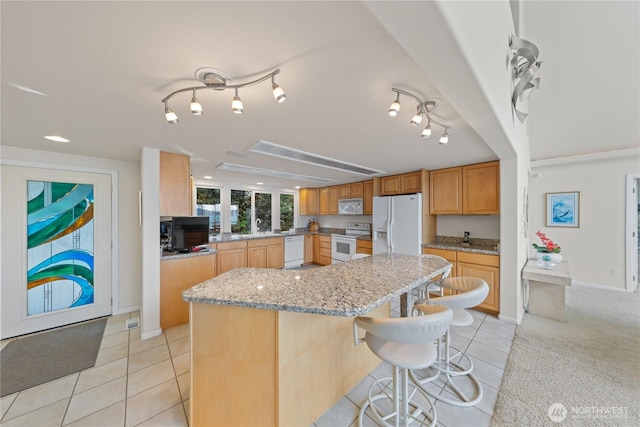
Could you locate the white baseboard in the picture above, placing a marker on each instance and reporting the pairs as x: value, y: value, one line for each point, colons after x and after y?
x: 127, y: 310
x: 511, y: 319
x: 151, y: 334
x: 597, y: 286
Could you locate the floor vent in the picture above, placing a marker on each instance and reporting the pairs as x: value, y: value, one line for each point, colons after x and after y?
x: 132, y: 323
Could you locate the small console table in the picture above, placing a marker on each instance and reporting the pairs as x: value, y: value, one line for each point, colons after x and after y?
x: 545, y: 290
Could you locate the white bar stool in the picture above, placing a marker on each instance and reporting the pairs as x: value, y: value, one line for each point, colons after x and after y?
x: 470, y: 291
x: 406, y: 343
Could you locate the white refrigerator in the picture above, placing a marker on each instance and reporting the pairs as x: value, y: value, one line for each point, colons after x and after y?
x: 397, y: 224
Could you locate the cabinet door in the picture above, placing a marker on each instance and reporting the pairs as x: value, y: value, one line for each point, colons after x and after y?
x: 324, y: 201
x: 445, y: 191
x: 364, y: 247
x: 325, y: 250
x: 176, y: 275
x: 275, y: 256
x: 489, y: 274
x: 334, y: 193
x: 308, y: 249
x: 411, y: 183
x: 357, y: 190
x: 257, y: 257
x: 316, y: 249
x: 345, y: 191
x: 231, y: 255
x: 390, y: 185
x: 481, y: 188
x: 175, y: 184
x: 308, y: 201
x: 368, y: 197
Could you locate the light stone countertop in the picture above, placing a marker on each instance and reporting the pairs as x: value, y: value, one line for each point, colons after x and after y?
x: 166, y: 255
x: 346, y: 289
x: 487, y: 250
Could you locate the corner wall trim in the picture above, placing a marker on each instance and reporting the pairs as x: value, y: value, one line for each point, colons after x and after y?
x: 614, y: 154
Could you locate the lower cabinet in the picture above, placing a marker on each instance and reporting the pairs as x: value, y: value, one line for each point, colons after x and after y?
x: 321, y: 249
x: 231, y: 255
x: 176, y: 275
x: 308, y: 248
x: 486, y: 267
x: 265, y: 253
x: 364, y: 247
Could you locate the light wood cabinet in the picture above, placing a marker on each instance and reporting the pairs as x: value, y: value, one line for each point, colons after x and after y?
x: 445, y: 191
x: 406, y: 183
x: 483, y: 266
x: 345, y: 191
x: 468, y: 190
x: 309, y: 201
x: 481, y: 188
x: 356, y: 190
x: 308, y: 248
x: 179, y: 274
x: 486, y: 267
x: 368, y: 197
x: 364, y: 247
x: 322, y: 249
x: 324, y: 201
x: 265, y: 253
x: 231, y: 255
x: 334, y: 193
x: 175, y: 184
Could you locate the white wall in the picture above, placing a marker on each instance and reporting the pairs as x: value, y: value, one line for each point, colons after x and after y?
x: 128, y: 246
x: 479, y: 226
x: 598, y: 246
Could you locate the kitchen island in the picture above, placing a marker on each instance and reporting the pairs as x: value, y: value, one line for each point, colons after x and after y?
x: 275, y: 347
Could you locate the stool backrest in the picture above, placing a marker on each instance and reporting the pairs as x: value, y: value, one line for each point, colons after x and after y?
x: 409, y: 330
x: 471, y: 292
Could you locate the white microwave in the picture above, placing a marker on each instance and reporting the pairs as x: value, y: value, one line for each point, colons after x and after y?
x: 350, y: 206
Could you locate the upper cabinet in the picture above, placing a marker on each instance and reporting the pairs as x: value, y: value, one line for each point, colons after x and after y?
x: 468, y: 190
x: 481, y: 188
x: 406, y: 183
x: 309, y: 201
x: 175, y: 184
x: 368, y: 197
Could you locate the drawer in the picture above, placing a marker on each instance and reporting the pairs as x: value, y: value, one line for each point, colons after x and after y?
x: 267, y: 241
x: 444, y: 253
x: 232, y: 245
x: 481, y: 259
x: 325, y: 252
x: 368, y: 244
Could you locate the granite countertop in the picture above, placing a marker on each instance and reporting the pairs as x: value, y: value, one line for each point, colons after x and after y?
x: 346, y: 289
x: 166, y: 255
x: 477, y: 245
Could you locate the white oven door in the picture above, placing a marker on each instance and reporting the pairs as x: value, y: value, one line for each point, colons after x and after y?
x: 342, y: 248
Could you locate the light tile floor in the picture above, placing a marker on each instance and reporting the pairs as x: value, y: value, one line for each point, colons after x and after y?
x: 146, y: 382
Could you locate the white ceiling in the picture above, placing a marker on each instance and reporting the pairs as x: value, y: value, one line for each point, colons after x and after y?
x: 105, y: 66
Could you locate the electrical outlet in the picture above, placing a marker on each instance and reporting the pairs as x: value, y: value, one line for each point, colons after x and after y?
x: 615, y: 272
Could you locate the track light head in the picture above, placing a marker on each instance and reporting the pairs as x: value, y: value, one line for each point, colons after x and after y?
x: 169, y: 114
x: 196, y: 107
x: 395, y: 107
x: 445, y: 137
x: 236, y: 104
x: 426, y: 133
x: 278, y: 93
x: 415, y: 121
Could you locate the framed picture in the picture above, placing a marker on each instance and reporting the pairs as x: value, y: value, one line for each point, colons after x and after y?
x: 563, y: 209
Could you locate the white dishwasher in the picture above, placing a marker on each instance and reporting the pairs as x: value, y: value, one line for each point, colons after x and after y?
x: 293, y: 251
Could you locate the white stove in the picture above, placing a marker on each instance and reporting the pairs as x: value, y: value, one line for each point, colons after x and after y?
x: 343, y: 246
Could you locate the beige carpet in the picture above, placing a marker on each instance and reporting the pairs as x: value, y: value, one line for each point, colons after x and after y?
x: 588, y: 367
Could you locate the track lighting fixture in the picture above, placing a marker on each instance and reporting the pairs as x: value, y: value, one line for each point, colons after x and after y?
x: 425, y: 108
x: 213, y: 79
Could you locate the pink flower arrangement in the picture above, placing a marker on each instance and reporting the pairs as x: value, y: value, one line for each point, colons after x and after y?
x: 547, y: 244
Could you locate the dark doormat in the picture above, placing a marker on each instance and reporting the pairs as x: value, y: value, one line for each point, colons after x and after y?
x: 36, y: 359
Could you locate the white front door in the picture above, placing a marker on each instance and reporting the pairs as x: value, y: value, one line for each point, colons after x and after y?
x: 56, y: 248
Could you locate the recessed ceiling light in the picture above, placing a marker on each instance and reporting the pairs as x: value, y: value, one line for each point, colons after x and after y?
x: 297, y: 187
x: 207, y: 177
x: 260, y: 183
x: 56, y: 138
